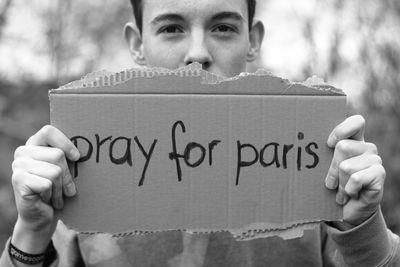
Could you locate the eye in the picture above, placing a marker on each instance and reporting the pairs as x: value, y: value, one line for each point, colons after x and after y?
x: 170, y: 29
x: 224, y: 28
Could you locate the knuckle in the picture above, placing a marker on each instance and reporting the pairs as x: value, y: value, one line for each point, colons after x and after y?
x: 379, y: 187
x: 48, y: 184
x: 46, y: 130
x: 56, y: 172
x: 343, y: 146
x: 345, y: 167
x: 15, y: 165
x: 356, y: 180
x: 18, y: 164
x: 377, y: 159
x: 16, y: 178
x: 58, y: 155
x: 19, y: 152
x: 382, y: 171
x: 372, y: 148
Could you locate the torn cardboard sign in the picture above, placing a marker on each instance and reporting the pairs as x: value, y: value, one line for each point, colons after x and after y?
x: 186, y: 149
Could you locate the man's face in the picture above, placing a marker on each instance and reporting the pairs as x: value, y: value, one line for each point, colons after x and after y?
x: 214, y: 33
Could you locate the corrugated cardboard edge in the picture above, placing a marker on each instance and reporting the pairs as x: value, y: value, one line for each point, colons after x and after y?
x: 255, y: 231
x: 250, y: 232
x: 93, y: 82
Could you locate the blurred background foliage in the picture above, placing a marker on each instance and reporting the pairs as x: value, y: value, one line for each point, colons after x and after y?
x: 354, y: 45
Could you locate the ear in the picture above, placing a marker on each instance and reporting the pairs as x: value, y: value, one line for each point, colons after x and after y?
x: 256, y: 38
x: 135, y: 43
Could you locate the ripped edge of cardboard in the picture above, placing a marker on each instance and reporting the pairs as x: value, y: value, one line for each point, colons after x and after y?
x: 249, y: 232
x: 105, y: 78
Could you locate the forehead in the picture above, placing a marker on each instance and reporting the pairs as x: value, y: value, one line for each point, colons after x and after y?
x: 192, y: 8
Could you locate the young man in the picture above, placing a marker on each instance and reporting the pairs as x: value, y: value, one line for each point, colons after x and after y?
x: 222, y: 37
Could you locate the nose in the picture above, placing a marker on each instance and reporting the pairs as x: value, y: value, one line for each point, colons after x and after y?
x: 198, y: 51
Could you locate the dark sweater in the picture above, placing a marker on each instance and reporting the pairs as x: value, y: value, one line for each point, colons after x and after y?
x: 369, y: 244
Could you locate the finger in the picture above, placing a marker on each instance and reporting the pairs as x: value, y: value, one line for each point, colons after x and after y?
x: 68, y: 185
x: 345, y: 149
x: 368, y: 181
x: 45, y: 170
x: 341, y: 196
x: 54, y: 156
x: 351, y: 128
x: 350, y: 166
x: 29, y: 185
x: 43, y: 153
x: 51, y: 136
x: 355, y: 164
x: 54, y: 174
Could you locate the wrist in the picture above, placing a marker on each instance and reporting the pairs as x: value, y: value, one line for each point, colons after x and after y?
x: 30, y: 239
x: 367, y: 244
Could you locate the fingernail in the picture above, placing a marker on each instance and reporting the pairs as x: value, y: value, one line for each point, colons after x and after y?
x: 339, y: 198
x: 330, y: 182
x: 75, y: 154
x: 345, y: 199
x: 71, y: 189
x: 331, y: 141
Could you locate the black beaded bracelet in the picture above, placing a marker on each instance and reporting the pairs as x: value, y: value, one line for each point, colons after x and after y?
x: 24, y: 257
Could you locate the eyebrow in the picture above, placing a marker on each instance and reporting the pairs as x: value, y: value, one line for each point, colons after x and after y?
x: 168, y: 16
x: 227, y: 15
x: 177, y: 17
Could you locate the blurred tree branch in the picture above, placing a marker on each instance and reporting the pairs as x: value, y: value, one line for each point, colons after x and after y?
x: 3, y: 14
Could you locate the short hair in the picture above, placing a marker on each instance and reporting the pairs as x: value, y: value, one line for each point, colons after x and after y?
x: 137, y: 6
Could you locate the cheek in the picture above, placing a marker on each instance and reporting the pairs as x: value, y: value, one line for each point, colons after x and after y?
x: 231, y: 60
x: 158, y: 54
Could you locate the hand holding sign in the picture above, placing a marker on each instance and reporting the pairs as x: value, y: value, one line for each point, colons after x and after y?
x: 40, y: 177
x: 356, y: 171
